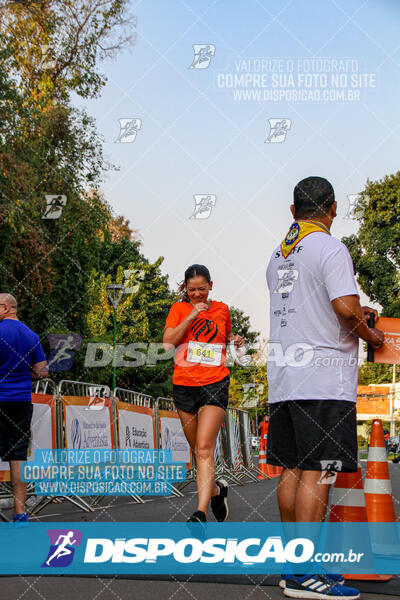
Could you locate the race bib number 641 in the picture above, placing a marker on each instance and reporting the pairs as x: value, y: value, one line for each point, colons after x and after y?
x: 204, y: 353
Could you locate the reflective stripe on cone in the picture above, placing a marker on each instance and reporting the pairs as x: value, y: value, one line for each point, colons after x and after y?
x: 348, y: 501
x: 378, y: 486
x: 341, y: 497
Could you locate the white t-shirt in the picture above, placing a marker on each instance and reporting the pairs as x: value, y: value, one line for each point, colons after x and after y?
x: 310, y: 355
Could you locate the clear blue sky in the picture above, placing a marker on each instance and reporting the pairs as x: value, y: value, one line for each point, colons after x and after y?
x: 196, y: 138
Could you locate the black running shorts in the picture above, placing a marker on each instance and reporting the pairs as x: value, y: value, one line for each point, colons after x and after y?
x: 313, y: 435
x: 15, y: 429
x: 191, y: 398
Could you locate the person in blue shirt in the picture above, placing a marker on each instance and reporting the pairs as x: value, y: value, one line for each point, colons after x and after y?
x: 21, y: 360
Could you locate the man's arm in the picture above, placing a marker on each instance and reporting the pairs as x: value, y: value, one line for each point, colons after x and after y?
x: 352, y: 317
x: 39, y: 370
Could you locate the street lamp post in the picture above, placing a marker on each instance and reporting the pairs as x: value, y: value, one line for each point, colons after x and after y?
x: 114, y: 293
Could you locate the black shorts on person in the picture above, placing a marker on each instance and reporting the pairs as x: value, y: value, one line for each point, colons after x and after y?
x: 313, y: 435
x: 15, y: 429
x: 192, y: 398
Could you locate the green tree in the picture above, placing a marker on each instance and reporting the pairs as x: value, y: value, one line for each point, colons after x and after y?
x: 375, y: 251
x: 140, y: 320
x: 58, y: 267
x: 48, y: 148
x: 371, y: 373
x: 242, y: 388
x: 45, y: 263
x: 251, y: 381
x: 55, y: 47
x: 241, y: 326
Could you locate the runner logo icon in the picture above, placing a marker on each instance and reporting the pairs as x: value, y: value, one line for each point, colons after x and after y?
x: 278, y: 129
x: 62, y: 547
x: 286, y: 280
x: 203, y: 205
x: 203, y: 54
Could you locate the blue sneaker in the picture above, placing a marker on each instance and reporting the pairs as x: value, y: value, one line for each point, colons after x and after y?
x: 284, y: 578
x: 338, y: 579
x: 20, y: 520
x: 318, y: 587
x: 335, y: 577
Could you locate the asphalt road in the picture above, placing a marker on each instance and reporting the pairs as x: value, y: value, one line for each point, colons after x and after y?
x: 250, y: 502
x: 71, y: 588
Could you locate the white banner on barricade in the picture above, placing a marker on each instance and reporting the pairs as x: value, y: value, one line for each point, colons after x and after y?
x: 88, y: 427
x: 89, y: 424
x: 135, y: 426
x: 173, y: 438
x: 43, y: 431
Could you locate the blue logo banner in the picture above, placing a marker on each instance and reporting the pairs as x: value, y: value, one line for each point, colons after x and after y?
x: 194, y: 548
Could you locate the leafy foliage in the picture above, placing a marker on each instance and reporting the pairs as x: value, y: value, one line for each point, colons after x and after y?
x: 55, y: 47
x: 375, y: 251
x: 373, y: 373
x: 58, y: 267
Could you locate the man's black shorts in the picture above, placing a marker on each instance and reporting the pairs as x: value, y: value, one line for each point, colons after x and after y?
x: 312, y: 434
x: 191, y: 398
x: 15, y: 429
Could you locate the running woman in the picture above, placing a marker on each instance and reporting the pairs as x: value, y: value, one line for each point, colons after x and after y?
x: 200, y: 328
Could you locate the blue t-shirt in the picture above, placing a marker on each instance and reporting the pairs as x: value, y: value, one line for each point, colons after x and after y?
x: 19, y: 349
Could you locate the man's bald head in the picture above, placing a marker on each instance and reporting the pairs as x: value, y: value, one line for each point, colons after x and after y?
x: 8, y: 306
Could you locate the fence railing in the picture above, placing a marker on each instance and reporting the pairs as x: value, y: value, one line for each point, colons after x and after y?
x: 78, y: 404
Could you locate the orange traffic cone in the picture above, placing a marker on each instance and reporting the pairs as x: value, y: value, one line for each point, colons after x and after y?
x: 269, y: 471
x: 348, y: 500
x: 378, y: 494
x: 273, y: 470
x: 378, y: 488
x: 262, y: 462
x: 348, y: 505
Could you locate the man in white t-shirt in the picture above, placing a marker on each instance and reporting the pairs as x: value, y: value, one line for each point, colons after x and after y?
x: 316, y: 321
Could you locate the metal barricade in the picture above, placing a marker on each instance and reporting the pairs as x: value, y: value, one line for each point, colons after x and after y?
x: 245, y: 444
x: 47, y: 387
x: 245, y: 437
x: 221, y: 466
x: 232, y: 446
x: 78, y: 388
x: 132, y: 397
x: 44, y: 386
x: 138, y: 399
x: 67, y: 388
x: 167, y: 404
x: 5, y: 494
x: 228, y: 446
x: 219, y: 459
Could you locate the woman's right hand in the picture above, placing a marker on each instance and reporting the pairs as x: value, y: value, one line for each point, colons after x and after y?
x: 198, y: 308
